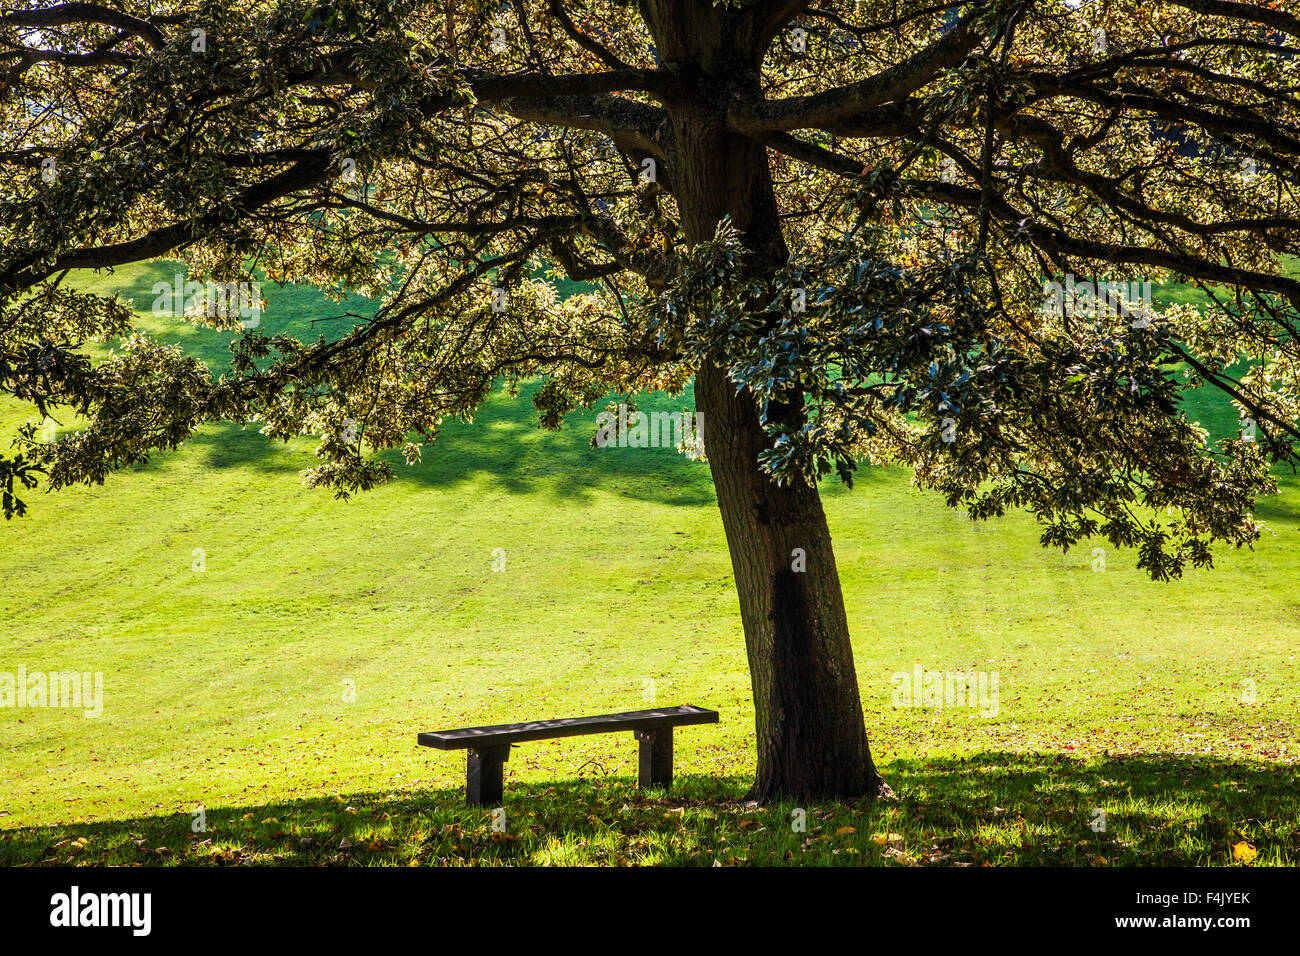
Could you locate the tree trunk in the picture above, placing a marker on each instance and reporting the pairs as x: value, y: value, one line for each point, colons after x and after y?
x: 811, y: 740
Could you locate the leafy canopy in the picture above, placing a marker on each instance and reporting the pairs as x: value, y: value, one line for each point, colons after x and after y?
x: 934, y: 166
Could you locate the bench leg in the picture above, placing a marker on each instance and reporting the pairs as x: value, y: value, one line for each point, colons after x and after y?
x: 656, y: 759
x: 483, y: 775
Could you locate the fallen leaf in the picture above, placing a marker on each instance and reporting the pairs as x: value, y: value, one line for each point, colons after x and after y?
x: 1243, y: 852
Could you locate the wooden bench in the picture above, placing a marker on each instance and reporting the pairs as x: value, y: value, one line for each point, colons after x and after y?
x: 489, y: 747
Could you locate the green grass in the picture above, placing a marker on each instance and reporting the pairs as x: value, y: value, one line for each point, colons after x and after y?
x: 226, y: 688
x: 982, y: 809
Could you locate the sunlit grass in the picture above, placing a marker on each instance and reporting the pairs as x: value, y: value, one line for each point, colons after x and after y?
x: 225, y: 689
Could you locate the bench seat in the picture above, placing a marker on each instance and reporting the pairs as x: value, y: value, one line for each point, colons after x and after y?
x: 489, y: 747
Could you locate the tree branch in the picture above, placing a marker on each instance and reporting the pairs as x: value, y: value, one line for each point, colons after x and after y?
x: 833, y: 109
x: 67, y: 13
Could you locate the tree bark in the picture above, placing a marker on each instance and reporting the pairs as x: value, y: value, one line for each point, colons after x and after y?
x: 811, y: 740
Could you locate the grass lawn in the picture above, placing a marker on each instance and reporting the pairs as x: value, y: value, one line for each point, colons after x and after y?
x: 231, y: 688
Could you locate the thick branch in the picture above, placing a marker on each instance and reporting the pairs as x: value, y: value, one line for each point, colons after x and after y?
x: 67, y: 13
x: 1251, y: 12
x: 833, y: 109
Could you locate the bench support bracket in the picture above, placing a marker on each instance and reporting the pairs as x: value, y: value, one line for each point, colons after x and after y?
x: 656, y: 758
x: 484, y: 776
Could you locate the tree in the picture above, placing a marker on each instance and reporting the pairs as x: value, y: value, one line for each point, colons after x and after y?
x: 907, y: 231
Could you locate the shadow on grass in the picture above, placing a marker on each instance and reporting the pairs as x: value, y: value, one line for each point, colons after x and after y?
x: 502, y: 452
x: 1135, y: 810
x: 1278, y: 509
x: 503, y: 449
x: 988, y: 808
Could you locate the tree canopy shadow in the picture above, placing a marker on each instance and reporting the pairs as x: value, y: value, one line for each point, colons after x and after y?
x: 987, y: 808
x: 502, y: 452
